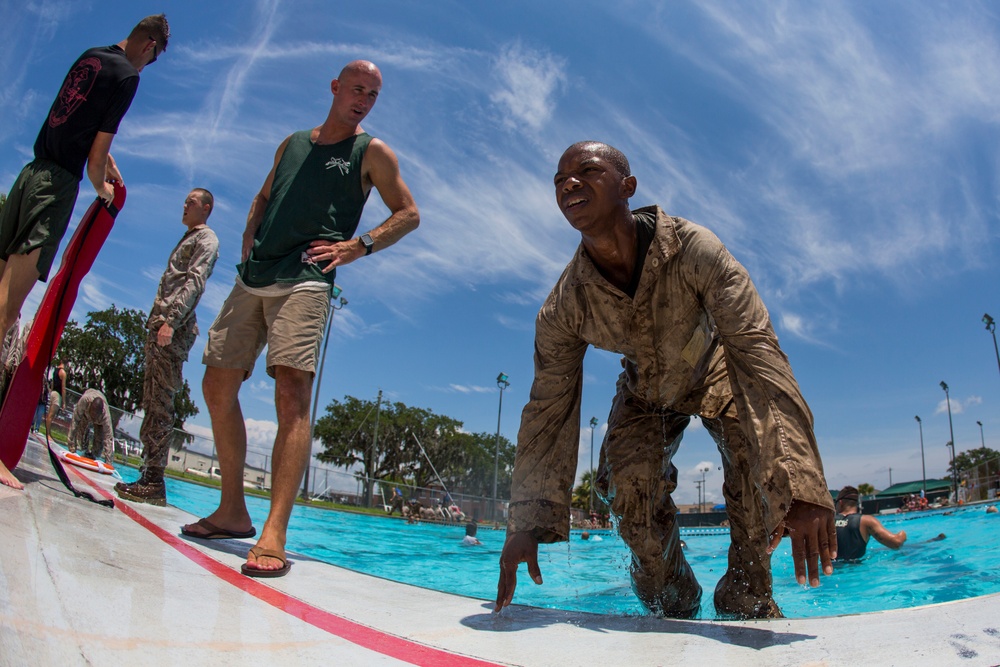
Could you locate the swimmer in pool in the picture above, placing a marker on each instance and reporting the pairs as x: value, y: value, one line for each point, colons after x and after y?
x: 470, y: 538
x: 854, y: 529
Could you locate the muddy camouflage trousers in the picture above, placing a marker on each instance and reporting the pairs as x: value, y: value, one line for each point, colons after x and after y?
x: 636, y: 478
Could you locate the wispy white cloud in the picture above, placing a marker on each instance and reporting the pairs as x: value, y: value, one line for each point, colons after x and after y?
x: 51, y: 13
x: 528, y: 80
x: 958, y: 405
x: 845, y: 109
x: 22, y: 34
x: 470, y: 389
x: 261, y: 433
x: 942, y: 407
x: 515, y: 323
x: 92, y: 293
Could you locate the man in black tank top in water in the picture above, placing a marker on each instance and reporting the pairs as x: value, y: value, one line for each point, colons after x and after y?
x: 300, y: 228
x: 854, y: 528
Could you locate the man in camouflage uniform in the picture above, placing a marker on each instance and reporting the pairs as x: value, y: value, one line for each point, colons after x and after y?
x: 173, y: 329
x: 695, y: 340
x: 92, y: 411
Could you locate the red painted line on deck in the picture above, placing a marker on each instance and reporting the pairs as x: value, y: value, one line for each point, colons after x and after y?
x: 356, y: 633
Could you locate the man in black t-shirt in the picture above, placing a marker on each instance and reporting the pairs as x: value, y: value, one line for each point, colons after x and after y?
x: 75, y: 137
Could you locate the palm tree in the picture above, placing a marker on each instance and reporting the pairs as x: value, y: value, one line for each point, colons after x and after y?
x: 581, y: 494
x: 866, y: 489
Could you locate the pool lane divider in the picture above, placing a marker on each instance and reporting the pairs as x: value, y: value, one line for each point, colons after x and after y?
x: 352, y: 631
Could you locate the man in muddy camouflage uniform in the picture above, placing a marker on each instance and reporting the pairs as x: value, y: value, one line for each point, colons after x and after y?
x: 92, y: 412
x: 695, y: 340
x: 173, y: 329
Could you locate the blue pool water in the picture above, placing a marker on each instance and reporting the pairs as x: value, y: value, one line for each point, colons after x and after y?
x: 592, y: 575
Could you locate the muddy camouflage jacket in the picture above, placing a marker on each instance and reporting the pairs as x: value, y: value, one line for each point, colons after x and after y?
x: 695, y: 336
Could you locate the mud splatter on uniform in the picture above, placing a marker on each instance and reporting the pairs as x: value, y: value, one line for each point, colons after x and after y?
x: 183, y: 282
x: 696, y: 340
x: 87, y: 414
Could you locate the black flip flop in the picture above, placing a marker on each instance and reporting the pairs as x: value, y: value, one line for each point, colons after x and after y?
x: 258, y: 552
x: 216, y: 533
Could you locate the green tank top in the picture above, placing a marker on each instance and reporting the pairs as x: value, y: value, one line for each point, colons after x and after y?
x: 317, y: 193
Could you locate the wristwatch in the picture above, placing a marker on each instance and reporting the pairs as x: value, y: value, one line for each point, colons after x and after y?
x: 366, y: 241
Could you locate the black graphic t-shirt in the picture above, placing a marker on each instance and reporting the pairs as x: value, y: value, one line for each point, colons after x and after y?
x: 94, y: 97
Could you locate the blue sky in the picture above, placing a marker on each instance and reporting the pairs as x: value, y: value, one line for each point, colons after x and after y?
x: 845, y: 152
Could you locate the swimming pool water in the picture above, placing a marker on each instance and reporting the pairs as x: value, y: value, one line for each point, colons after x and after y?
x: 592, y: 575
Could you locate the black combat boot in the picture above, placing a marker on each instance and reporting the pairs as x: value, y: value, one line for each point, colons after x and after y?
x: 146, y: 490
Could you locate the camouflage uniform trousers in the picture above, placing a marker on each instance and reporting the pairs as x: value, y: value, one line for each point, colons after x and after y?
x: 636, y: 478
x: 161, y: 382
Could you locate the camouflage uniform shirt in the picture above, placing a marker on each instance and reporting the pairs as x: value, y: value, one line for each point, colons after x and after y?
x: 183, y: 281
x: 83, y: 417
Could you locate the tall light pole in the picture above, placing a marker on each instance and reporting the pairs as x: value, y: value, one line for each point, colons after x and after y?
x: 699, y: 483
x: 982, y: 438
x: 923, y: 468
x: 593, y: 425
x: 334, y: 294
x: 951, y: 432
x: 704, y: 489
x: 991, y: 326
x: 503, y: 384
x: 954, y: 481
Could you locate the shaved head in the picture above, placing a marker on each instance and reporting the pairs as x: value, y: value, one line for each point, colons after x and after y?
x: 609, y: 153
x: 360, y: 67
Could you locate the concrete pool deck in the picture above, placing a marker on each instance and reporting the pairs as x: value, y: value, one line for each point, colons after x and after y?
x: 82, y: 584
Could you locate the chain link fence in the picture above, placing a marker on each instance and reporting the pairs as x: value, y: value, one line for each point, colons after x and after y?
x: 193, y: 457
x: 981, y: 482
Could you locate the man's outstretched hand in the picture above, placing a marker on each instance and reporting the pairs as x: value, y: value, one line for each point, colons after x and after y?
x: 814, y: 540
x: 519, y: 548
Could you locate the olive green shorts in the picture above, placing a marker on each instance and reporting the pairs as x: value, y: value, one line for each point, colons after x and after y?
x: 37, y: 213
x: 291, y: 326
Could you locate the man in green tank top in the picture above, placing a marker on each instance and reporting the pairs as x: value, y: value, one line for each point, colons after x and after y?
x: 300, y: 228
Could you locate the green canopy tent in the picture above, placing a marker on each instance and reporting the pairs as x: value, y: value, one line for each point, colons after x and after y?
x: 895, y: 496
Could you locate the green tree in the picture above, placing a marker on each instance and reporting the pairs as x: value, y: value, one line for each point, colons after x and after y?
x: 442, y: 440
x: 581, y: 494
x: 973, y: 458
x: 107, y: 354
x: 464, y: 461
x: 349, y: 432
x: 475, y: 459
x: 866, y: 489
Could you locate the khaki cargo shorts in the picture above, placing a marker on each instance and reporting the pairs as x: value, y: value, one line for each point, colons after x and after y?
x: 291, y: 326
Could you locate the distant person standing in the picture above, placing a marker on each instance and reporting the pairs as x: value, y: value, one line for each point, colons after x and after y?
x: 396, y: 502
x: 300, y: 229
x: 92, y: 411
x: 172, y: 329
x: 41, y: 408
x: 57, y: 393
x: 77, y: 134
x: 854, y: 529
